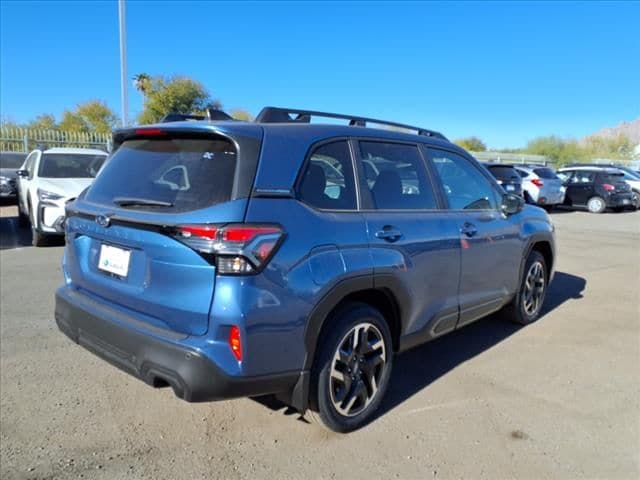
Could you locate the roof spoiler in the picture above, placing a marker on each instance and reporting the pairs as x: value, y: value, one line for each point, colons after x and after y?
x: 211, y: 114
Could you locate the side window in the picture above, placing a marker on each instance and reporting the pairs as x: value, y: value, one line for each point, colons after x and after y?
x: 581, y: 178
x: 327, y: 182
x: 465, y: 186
x: 396, y: 176
x: 564, y: 176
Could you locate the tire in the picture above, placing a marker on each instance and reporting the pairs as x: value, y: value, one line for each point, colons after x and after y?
x: 596, y: 205
x: 528, y: 199
x: 548, y: 208
x: 636, y: 200
x: 23, y: 219
x: 38, y: 239
x: 532, y: 288
x: 336, y: 368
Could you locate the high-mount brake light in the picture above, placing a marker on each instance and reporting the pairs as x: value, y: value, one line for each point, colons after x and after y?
x: 150, y: 132
x: 238, y: 249
x: 608, y: 187
x: 537, y: 182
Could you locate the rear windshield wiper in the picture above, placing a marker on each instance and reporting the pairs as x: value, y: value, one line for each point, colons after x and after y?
x: 143, y: 202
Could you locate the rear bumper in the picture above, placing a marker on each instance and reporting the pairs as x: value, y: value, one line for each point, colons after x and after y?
x: 158, y: 362
x: 620, y: 200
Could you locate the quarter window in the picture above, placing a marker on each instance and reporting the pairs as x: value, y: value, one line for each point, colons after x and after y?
x: 327, y: 182
x: 464, y: 184
x: 396, y: 176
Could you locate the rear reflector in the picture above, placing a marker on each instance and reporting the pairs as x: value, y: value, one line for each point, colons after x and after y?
x: 235, y: 343
x: 238, y: 249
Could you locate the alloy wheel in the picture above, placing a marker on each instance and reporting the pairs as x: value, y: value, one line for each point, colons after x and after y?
x: 357, y: 369
x: 533, y: 291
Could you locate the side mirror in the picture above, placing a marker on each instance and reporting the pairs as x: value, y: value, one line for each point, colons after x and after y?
x: 511, y: 204
x: 22, y: 173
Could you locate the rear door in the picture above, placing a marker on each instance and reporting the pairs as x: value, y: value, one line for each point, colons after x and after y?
x: 122, y: 242
x: 491, y: 248
x: 414, y: 245
x: 580, y: 186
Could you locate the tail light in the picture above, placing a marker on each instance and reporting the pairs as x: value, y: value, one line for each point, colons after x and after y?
x: 240, y: 249
x: 235, y: 343
x: 608, y: 187
x: 537, y: 182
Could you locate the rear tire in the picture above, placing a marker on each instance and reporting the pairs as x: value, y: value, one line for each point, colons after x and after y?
x: 596, y: 205
x: 352, y: 369
x: 526, y: 306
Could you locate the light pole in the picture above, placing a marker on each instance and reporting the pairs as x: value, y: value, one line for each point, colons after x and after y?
x: 123, y: 63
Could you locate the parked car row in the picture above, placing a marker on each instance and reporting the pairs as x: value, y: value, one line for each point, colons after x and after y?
x: 594, y: 187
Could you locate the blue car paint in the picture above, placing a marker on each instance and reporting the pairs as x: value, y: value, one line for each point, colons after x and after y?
x: 438, y: 276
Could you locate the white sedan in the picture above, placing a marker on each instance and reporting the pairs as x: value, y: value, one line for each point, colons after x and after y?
x: 48, y: 179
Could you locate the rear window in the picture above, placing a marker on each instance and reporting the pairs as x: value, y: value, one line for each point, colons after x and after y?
x: 504, y: 173
x: 612, y: 177
x: 545, y: 173
x: 176, y: 174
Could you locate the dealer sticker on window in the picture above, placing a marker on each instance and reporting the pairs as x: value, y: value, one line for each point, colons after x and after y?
x: 114, y: 260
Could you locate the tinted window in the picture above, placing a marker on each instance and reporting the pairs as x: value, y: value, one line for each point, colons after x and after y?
x: 186, y: 173
x: 11, y: 160
x: 545, y: 173
x: 64, y: 165
x: 611, y: 177
x: 464, y: 185
x: 504, y: 173
x: 396, y: 176
x: 327, y: 182
x: 580, y: 177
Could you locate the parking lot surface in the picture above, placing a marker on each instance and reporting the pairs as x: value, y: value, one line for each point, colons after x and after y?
x: 557, y: 399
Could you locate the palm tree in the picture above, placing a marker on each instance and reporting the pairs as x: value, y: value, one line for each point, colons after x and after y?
x: 142, y: 83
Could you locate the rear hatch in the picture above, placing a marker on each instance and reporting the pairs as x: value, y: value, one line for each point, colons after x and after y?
x: 121, y: 241
x: 548, y: 179
x: 616, y: 180
x: 507, y: 177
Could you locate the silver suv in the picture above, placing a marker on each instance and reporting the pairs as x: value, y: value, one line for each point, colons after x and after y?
x: 541, y: 186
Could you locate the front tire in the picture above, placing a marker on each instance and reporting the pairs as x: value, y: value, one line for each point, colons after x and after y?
x: 526, y: 306
x: 596, y: 205
x: 351, y: 373
x: 38, y: 239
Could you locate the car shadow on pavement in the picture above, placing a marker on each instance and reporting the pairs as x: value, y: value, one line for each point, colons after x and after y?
x: 417, y: 368
x: 12, y: 235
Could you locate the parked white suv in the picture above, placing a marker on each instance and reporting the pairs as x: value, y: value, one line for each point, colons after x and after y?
x: 48, y: 179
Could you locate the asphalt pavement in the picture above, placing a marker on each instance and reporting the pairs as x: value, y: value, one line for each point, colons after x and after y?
x: 557, y: 399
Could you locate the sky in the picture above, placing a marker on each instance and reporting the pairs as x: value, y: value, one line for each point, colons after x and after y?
x: 505, y: 72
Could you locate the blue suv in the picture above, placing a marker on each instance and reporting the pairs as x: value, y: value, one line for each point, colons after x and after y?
x: 284, y: 256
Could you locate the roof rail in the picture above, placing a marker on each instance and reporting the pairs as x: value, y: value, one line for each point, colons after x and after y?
x: 284, y: 115
x: 212, y: 114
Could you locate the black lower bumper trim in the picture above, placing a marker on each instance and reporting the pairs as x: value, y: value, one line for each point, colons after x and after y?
x: 192, y: 376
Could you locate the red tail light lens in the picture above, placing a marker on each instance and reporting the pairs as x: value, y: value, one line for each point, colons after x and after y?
x: 537, y: 182
x: 237, y: 249
x: 235, y: 343
x: 608, y: 187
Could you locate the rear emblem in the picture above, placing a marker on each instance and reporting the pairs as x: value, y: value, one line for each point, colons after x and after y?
x: 103, y: 220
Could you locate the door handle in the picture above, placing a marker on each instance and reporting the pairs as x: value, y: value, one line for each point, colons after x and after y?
x: 469, y: 229
x: 389, y: 233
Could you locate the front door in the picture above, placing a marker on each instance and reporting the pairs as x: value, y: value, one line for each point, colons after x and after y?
x: 490, y: 245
